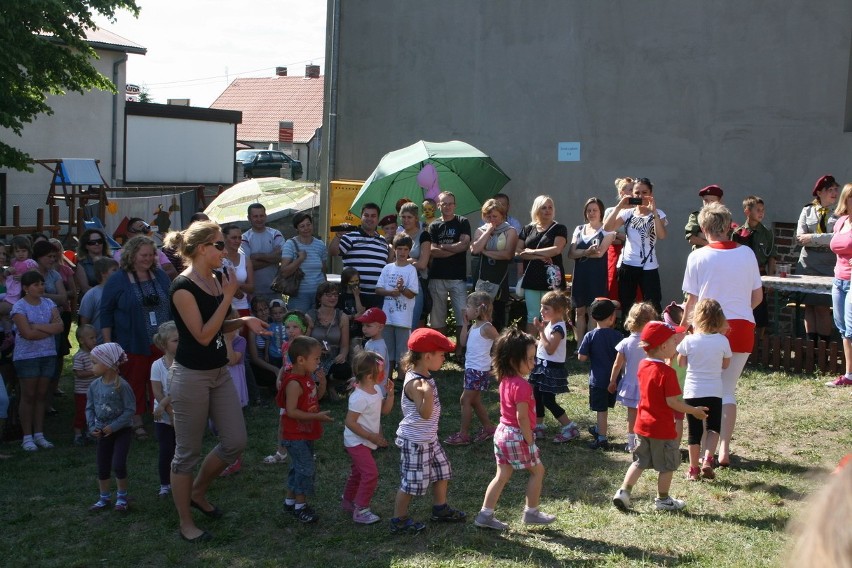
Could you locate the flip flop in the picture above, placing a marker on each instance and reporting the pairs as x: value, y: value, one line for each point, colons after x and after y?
x: 203, y: 537
x: 214, y: 513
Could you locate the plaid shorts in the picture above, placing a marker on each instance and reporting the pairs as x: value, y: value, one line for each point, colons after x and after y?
x: 477, y: 380
x: 510, y: 448
x: 421, y: 463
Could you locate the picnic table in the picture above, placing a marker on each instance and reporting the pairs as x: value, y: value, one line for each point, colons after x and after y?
x: 794, y: 287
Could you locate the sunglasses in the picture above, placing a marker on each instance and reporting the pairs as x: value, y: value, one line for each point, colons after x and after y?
x: 220, y: 245
x: 95, y: 242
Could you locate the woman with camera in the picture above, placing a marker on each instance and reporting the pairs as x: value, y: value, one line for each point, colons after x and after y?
x: 644, y: 224
x: 134, y: 304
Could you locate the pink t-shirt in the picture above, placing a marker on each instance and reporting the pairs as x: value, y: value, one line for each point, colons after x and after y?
x: 841, y: 245
x: 512, y: 391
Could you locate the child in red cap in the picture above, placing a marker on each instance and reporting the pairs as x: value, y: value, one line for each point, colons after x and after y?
x: 422, y: 458
x: 372, y: 326
x: 658, y: 443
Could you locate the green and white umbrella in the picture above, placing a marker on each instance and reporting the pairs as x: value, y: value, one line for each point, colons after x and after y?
x: 275, y: 194
x: 469, y: 173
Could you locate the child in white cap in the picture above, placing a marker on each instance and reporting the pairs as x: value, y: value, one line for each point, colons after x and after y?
x: 110, y: 406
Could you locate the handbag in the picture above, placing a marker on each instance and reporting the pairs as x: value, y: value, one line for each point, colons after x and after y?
x: 519, y: 287
x: 289, y: 285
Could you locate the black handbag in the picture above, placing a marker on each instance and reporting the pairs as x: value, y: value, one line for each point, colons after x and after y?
x: 289, y: 285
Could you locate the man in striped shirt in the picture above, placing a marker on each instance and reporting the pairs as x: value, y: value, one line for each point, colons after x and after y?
x: 366, y: 251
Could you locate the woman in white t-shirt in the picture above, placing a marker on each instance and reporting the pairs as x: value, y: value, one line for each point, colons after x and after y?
x: 728, y: 273
x: 242, y: 267
x: 644, y: 225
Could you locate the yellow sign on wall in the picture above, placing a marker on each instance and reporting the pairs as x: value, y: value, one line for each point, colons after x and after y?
x: 342, y: 194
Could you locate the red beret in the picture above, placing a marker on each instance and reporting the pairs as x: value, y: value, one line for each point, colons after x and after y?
x: 822, y: 183
x: 387, y: 220
x: 711, y: 190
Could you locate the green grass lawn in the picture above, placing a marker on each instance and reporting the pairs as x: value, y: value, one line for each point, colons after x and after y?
x: 791, y: 432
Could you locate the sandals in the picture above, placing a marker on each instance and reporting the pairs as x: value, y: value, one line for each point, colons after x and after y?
x: 448, y: 515
x: 484, y: 434
x: 458, y: 439
x: 140, y: 433
x: 29, y: 446
x: 277, y: 457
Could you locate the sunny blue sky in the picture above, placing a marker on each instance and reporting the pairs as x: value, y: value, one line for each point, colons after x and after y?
x: 196, y: 47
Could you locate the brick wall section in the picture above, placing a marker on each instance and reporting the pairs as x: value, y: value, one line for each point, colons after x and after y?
x: 785, y: 242
x: 788, y: 252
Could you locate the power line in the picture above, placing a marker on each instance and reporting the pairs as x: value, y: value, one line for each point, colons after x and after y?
x: 217, y: 77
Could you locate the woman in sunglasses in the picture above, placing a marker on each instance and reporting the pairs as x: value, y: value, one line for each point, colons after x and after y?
x: 91, y: 246
x: 200, y: 383
x: 136, y: 227
x: 135, y: 302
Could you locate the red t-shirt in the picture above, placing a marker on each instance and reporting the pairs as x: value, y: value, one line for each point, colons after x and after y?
x: 655, y: 418
x: 299, y: 429
x: 512, y: 391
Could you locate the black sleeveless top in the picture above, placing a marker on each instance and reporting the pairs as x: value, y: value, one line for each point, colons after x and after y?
x: 190, y: 353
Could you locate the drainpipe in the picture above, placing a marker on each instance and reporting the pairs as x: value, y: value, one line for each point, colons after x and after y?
x: 330, y: 135
x: 113, y: 166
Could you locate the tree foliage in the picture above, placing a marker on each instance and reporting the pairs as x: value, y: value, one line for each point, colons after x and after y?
x: 44, y: 52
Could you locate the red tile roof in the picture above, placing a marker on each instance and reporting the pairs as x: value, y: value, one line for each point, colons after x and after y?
x: 266, y: 100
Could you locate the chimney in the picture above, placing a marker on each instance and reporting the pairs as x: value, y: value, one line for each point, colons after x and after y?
x: 312, y: 71
x: 281, y: 71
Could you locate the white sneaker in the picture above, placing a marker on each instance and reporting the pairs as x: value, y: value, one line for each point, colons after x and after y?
x: 43, y: 443
x: 365, y: 517
x: 621, y: 500
x: 489, y: 522
x: 536, y: 517
x: 669, y: 504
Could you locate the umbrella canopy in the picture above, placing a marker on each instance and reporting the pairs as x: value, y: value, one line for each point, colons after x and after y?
x: 275, y: 194
x: 469, y: 173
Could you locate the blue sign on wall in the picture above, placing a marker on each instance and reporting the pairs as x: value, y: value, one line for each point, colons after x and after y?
x: 569, y: 152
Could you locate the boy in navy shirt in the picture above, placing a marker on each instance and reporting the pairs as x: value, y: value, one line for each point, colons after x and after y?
x: 598, y: 347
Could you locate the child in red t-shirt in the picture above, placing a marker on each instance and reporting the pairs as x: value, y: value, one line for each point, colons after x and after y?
x: 301, y: 424
x: 658, y: 442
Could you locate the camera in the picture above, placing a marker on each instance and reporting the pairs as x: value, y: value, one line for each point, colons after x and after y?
x: 634, y: 201
x: 151, y: 300
x: 342, y: 228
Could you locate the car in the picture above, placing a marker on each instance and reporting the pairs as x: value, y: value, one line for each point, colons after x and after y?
x: 267, y: 163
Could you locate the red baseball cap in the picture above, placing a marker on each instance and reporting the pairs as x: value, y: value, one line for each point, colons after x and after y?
x: 387, y: 220
x: 373, y: 315
x: 426, y: 340
x: 656, y: 333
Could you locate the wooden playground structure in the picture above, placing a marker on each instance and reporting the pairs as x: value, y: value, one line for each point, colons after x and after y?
x: 76, y: 190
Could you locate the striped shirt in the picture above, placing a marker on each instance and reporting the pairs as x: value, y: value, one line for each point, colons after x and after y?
x: 366, y: 254
x: 412, y: 427
x: 314, y: 264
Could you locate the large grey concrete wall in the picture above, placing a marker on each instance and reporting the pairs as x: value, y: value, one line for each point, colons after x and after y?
x: 751, y: 95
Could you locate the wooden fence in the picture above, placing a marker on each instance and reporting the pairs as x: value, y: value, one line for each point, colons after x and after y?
x: 798, y: 355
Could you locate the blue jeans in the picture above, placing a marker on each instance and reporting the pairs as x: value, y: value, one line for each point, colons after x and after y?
x: 842, y: 305
x: 303, y: 301
x: 300, y: 478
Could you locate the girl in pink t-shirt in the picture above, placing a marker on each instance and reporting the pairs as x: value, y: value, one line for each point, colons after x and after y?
x: 514, y: 441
